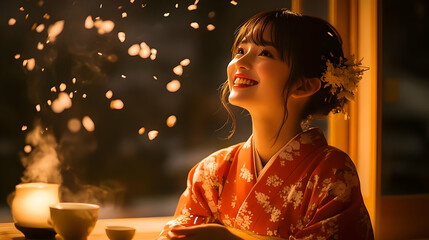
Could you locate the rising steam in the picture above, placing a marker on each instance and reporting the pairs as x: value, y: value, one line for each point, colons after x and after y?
x: 42, y: 163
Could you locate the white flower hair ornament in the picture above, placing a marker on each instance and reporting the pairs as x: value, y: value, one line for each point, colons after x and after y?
x: 343, y: 78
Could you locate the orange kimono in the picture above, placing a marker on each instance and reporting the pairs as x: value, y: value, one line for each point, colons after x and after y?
x: 308, y: 190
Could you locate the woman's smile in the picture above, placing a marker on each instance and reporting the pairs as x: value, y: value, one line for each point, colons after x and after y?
x: 243, y: 81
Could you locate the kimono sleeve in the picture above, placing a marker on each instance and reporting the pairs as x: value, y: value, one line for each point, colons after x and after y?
x: 336, y: 209
x: 199, y: 202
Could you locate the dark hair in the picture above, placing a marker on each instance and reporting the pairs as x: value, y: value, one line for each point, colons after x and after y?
x: 305, y: 43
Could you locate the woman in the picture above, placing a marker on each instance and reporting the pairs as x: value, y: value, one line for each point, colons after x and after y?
x: 284, y: 182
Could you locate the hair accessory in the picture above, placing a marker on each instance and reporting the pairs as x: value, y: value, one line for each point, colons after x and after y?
x: 343, y: 78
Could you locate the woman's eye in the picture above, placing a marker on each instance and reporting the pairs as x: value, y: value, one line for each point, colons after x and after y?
x: 265, y: 53
x: 240, y: 51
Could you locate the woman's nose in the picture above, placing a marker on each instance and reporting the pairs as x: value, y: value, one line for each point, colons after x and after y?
x: 244, y: 62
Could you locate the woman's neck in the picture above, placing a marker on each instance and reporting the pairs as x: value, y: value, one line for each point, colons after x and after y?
x: 265, y: 132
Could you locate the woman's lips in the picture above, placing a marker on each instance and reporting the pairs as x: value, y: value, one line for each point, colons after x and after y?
x: 243, y: 81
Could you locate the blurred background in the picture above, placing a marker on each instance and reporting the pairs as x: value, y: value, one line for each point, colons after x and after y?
x: 116, y: 164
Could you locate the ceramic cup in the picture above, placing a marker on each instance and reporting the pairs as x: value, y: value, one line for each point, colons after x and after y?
x: 74, y: 221
x: 120, y: 232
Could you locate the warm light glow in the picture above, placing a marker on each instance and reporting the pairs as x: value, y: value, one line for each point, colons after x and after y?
x: 54, y: 30
x: 124, y: 15
x: 116, y: 104
x: 121, y: 36
x: 195, y: 25
x: 153, y: 53
x: 17, y: 56
x: 152, y: 134
x: 234, y: 2
x: 63, y: 87
x: 24, y: 127
x: 40, y: 46
x: 53, y: 89
x: 173, y: 86
x: 89, y: 23
x: 134, y: 50
x: 38, y: 107
x: 141, y: 130
x: 210, y: 27
x: 171, y: 121
x: 192, y: 7
x: 30, y: 206
x: 123, y: 76
x: 211, y: 14
x: 109, y: 94
x: 166, y: 14
x: 40, y: 28
x: 61, y: 103
x: 74, y: 80
x: 144, y: 50
x: 12, y: 21
x: 27, y: 148
x: 74, y: 125
x: 88, y: 124
x: 30, y: 63
x: 178, y: 70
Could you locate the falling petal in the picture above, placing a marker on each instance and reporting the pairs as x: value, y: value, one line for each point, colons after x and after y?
x: 40, y: 46
x: 88, y: 124
x: 71, y: 94
x: 63, y: 87
x: 109, y: 94
x: 178, y: 70
x: 54, y: 30
x: 38, y: 107
x: 104, y: 27
x: 61, y: 103
x: 21, y: 9
x: 234, y: 2
x: 173, y: 86
x: 124, y: 15
x: 74, y: 80
x: 30, y: 64
x: 154, y: 77
x: 40, y: 28
x: 49, y: 102
x: 144, y: 50
x: 177, y: 5
x: 134, y: 50
x: 84, y: 95
x: 171, y: 120
x: 121, y: 36
x: 166, y: 14
x: 152, y: 134
x: 17, y: 56
x: 89, y: 23
x: 195, y: 25
x: 153, y: 53
x: 116, y: 104
x: 210, y: 27
x: 192, y: 7
x: 24, y: 127
x: 12, y: 21
x: 74, y: 125
x: 53, y: 89
x: 141, y: 130
x: 131, y: 1
x: 27, y: 148
x: 123, y: 76
x: 46, y: 16
x: 185, y: 62
x: 100, y: 54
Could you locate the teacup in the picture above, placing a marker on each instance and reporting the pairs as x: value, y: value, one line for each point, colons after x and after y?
x: 74, y: 221
x: 120, y: 232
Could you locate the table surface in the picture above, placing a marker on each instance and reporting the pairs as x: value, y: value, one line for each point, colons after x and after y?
x: 146, y: 228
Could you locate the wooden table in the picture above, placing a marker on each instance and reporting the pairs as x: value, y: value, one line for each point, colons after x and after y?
x: 146, y: 228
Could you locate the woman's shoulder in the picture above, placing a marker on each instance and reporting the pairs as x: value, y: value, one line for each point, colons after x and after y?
x: 333, y: 160
x: 225, y: 154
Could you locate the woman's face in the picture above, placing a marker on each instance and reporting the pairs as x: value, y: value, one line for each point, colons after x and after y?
x: 257, y: 76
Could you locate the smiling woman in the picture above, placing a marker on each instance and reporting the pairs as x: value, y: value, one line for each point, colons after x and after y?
x: 285, y: 181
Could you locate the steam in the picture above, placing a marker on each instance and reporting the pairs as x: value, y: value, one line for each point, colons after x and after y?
x: 42, y: 163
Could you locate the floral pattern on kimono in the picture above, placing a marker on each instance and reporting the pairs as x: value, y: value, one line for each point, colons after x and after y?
x: 310, y: 190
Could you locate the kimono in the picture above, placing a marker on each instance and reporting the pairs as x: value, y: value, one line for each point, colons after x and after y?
x: 308, y: 190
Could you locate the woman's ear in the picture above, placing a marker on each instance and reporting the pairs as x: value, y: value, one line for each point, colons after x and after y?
x: 306, y: 87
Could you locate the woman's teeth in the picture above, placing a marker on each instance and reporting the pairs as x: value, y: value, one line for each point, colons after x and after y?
x: 243, y: 81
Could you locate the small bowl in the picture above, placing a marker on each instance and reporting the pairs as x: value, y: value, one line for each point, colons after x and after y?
x: 120, y: 232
